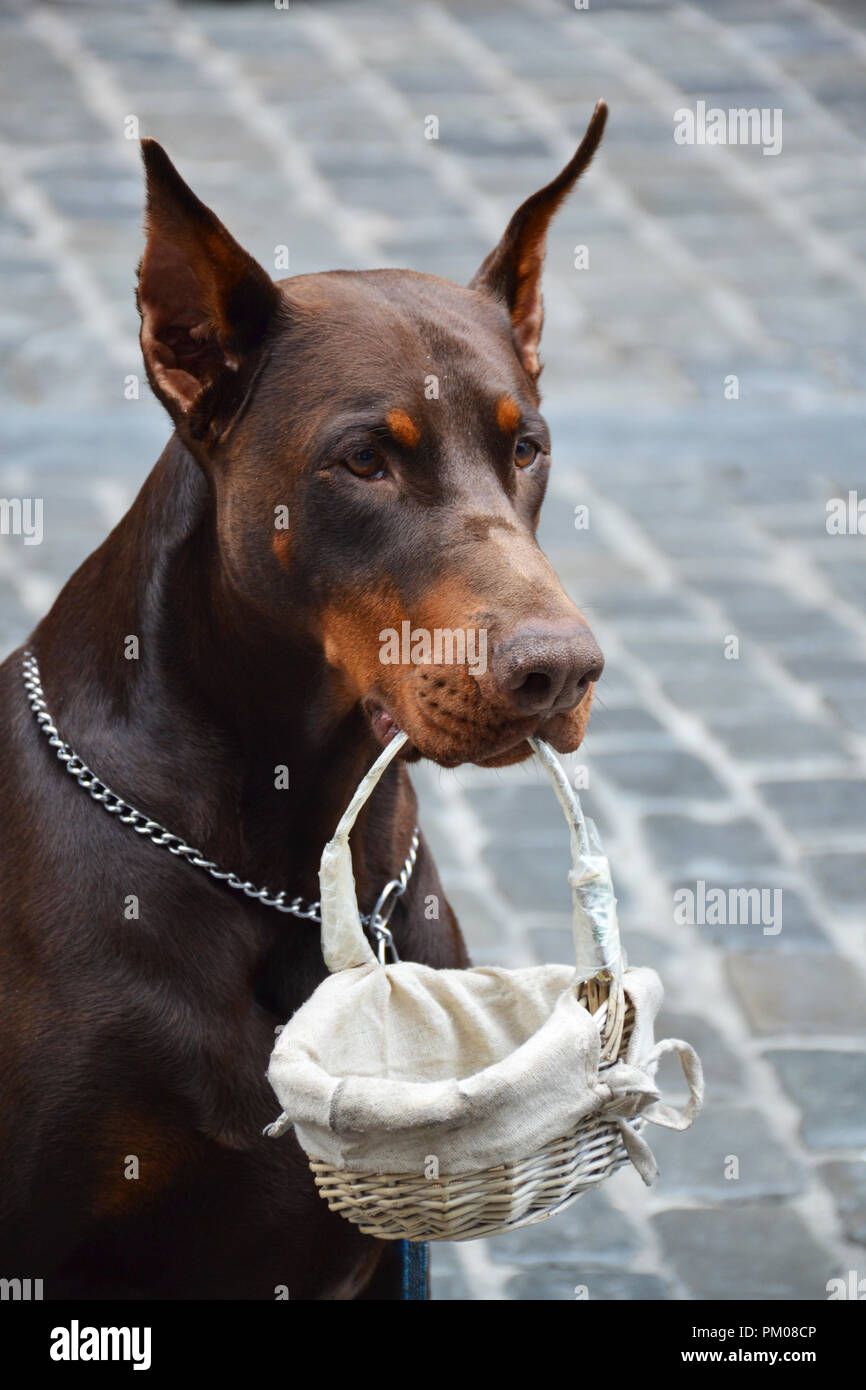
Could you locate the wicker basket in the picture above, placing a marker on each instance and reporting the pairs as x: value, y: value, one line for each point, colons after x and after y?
x: 470, y: 1199
x: 468, y: 1206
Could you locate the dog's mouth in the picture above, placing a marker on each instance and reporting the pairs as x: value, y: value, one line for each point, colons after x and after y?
x: 501, y: 745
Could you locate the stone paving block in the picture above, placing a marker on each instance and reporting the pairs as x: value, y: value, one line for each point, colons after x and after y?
x: 848, y: 575
x: 810, y: 639
x: 760, y: 1253
x: 704, y: 538
x: 78, y: 185
x: 641, y: 943
x: 704, y: 659
x: 728, y: 1155
x: 840, y: 672
x: 851, y: 709
x: 481, y: 144
x: 829, y: 1088
x: 448, y: 1281
x: 552, y: 945
x: 629, y: 604
x: 489, y: 945
x: 818, y: 804
x: 610, y: 723
x: 687, y: 848
x: 62, y: 121
x: 532, y: 877
x: 842, y: 877
x: 790, y: 993
x: 602, y: 569
x: 729, y: 688
x: 363, y: 188
x: 549, y: 1283
x: 420, y: 79
x: 768, y: 613
x: 781, y: 741
x: 660, y: 774
x: 522, y: 818
x: 558, y: 534
x: 590, y: 1231
x: 847, y: 1182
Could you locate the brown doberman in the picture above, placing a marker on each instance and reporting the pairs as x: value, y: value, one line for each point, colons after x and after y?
x: 206, y: 654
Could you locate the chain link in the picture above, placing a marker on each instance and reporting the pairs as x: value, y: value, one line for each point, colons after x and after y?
x: 376, y: 921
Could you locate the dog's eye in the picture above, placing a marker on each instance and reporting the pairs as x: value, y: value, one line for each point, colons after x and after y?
x: 366, y: 463
x: 525, y: 453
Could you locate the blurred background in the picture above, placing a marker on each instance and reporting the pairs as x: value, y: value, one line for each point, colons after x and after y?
x: 704, y: 385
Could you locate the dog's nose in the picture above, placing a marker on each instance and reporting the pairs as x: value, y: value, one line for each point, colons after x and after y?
x: 546, y: 672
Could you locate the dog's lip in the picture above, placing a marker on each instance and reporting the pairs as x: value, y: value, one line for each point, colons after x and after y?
x: 518, y: 737
x: 385, y: 727
x: 557, y: 732
x: 382, y: 721
x: 501, y: 752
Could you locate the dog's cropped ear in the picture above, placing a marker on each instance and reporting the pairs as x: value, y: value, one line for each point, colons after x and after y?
x: 205, y: 304
x: 512, y: 272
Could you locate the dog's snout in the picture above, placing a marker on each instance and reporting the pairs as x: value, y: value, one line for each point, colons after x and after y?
x: 540, y: 672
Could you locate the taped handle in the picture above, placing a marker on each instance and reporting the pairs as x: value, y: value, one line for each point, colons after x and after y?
x: 597, y: 946
x: 344, y: 944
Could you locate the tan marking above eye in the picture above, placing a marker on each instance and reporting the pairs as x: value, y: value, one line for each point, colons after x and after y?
x: 403, y: 428
x: 281, y: 546
x: 508, y: 414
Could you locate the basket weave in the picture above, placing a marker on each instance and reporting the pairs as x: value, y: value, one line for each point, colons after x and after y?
x: 469, y: 1206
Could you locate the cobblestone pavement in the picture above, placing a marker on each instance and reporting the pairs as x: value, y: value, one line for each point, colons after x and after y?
x: 742, y: 763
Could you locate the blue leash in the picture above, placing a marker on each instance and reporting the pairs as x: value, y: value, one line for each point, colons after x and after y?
x: 414, y: 1260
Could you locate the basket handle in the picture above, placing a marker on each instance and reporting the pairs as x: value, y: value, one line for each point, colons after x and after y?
x: 344, y: 944
x: 595, y: 929
x: 594, y: 922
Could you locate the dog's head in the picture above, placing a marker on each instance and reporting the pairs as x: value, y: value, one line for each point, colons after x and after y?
x: 377, y: 463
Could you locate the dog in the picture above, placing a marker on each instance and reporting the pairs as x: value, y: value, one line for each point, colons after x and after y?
x: 352, y: 452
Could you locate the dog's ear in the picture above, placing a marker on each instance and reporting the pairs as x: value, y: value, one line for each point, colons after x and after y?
x: 205, y: 304
x: 512, y: 272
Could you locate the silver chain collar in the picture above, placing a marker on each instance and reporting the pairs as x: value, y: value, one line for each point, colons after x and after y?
x: 376, y: 921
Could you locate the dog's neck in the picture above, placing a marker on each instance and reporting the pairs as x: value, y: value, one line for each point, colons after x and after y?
x: 203, y: 726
